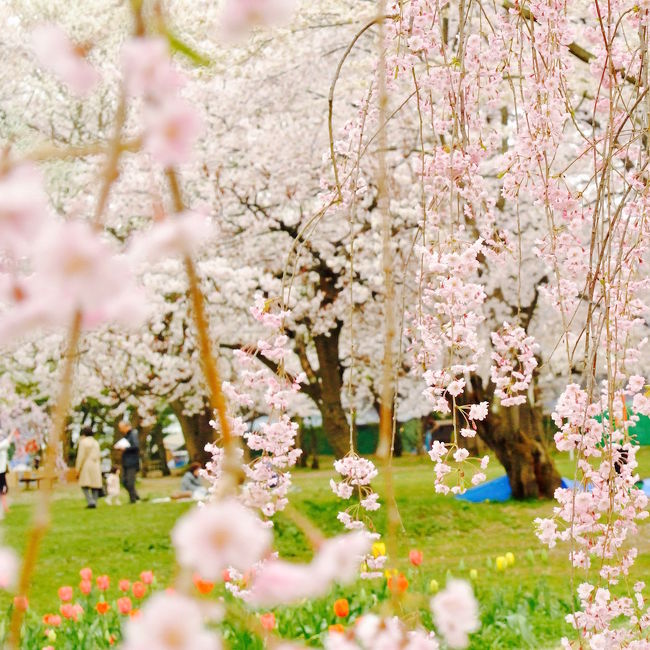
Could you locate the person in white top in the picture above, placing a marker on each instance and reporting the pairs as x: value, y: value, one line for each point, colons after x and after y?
x: 4, y: 448
x: 113, y: 487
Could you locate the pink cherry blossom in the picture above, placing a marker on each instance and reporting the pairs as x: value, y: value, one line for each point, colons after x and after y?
x: 56, y: 53
x: 171, y: 130
x: 225, y: 534
x: 181, y: 234
x: 148, y: 70
x: 455, y: 613
x: 8, y: 568
x: 337, y: 561
x: 241, y: 15
x: 23, y: 208
x: 169, y: 622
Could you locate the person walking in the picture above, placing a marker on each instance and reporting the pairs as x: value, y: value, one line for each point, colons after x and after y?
x: 130, y: 459
x: 88, y: 466
x: 4, y: 449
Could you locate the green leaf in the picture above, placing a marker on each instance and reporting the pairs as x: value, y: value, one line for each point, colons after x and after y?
x: 177, y: 45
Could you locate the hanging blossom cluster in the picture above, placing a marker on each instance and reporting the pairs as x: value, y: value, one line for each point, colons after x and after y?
x: 450, y: 348
x: 459, y: 140
x: 600, y: 517
x: 357, y: 474
x: 267, y: 476
x: 599, y: 276
x: 514, y: 362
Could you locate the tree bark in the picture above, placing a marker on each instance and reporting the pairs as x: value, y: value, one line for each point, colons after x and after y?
x: 330, y: 374
x: 159, y: 441
x: 515, y: 435
x: 197, y: 432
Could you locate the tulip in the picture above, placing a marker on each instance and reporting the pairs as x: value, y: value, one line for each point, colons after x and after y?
x: 147, y: 577
x: 139, y: 589
x: 268, y: 621
x: 341, y: 607
x: 203, y: 586
x: 102, y: 607
x: 378, y: 548
x: 65, y: 593
x: 415, y: 557
x: 398, y: 584
x: 124, y: 605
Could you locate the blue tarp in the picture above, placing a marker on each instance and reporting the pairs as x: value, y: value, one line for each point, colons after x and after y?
x: 498, y: 489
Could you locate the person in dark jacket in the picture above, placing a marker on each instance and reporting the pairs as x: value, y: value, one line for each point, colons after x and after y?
x: 130, y: 459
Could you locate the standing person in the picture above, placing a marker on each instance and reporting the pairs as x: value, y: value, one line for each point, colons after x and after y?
x: 4, y: 448
x: 130, y: 459
x: 113, y: 487
x: 88, y: 467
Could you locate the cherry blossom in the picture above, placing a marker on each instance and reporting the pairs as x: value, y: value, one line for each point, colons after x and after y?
x: 455, y: 613
x: 56, y: 53
x: 210, y: 539
x: 169, y: 622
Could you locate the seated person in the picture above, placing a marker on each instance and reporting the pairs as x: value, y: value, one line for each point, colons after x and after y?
x: 191, y: 485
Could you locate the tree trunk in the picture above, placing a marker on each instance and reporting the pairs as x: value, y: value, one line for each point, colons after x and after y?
x: 515, y: 435
x: 144, y: 450
x: 197, y: 432
x: 335, y: 423
x: 159, y: 441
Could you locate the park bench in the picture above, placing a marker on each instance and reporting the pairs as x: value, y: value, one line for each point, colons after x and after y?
x: 29, y: 477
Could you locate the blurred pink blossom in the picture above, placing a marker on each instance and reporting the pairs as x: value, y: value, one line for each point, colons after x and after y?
x: 8, y: 568
x: 148, y: 69
x: 169, y: 622
x: 23, y: 207
x: 178, y: 235
x: 172, y: 128
x: 239, y: 16
x: 218, y: 536
x: 56, y: 53
x: 455, y: 613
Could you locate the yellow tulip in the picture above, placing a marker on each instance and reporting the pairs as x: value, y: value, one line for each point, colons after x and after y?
x: 501, y: 563
x: 433, y: 586
x: 473, y: 574
x: 378, y: 548
x: 510, y: 558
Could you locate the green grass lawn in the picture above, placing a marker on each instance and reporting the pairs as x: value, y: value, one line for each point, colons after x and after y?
x: 521, y: 607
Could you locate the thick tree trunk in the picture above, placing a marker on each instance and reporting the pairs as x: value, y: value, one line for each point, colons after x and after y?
x: 515, y: 435
x: 197, y: 433
x: 335, y: 422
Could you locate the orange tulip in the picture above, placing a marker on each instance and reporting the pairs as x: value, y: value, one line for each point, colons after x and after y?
x: 102, y: 607
x: 341, y: 607
x: 398, y: 584
x: 203, y: 586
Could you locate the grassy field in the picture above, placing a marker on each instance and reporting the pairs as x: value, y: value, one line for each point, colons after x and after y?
x: 521, y: 607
